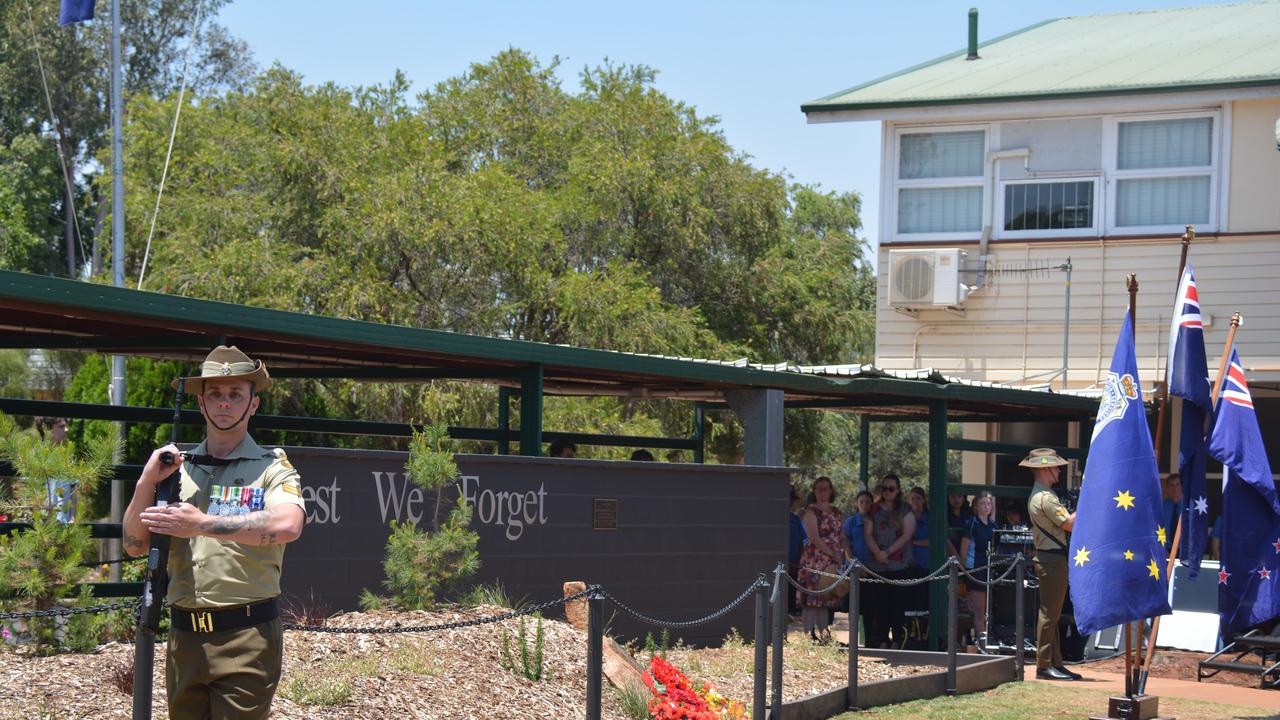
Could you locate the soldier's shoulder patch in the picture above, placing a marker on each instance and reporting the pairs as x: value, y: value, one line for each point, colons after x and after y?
x: 282, y: 458
x: 292, y: 489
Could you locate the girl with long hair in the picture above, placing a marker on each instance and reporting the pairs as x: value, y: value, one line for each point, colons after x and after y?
x: 979, y: 533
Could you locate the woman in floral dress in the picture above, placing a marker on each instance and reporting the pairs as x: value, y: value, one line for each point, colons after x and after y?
x: 827, y: 549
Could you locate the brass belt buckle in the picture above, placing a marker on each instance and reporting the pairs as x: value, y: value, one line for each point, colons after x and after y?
x: 202, y: 621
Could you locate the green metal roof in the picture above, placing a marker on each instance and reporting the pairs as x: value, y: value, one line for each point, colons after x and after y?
x: 46, y: 312
x: 1211, y: 47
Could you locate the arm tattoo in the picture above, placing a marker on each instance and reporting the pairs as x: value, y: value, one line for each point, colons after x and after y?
x: 267, y: 539
x: 232, y: 525
x: 131, y: 541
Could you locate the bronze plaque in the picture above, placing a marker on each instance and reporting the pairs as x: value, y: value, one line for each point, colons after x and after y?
x: 604, y: 514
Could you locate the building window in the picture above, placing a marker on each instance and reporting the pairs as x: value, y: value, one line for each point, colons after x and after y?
x: 940, y: 180
x: 1048, y: 206
x: 1164, y: 172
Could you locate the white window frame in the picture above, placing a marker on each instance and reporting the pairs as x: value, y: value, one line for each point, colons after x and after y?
x: 1092, y: 231
x: 1110, y: 152
x: 897, y: 184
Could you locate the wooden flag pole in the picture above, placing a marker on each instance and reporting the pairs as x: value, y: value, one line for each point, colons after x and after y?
x: 1187, y: 237
x: 1236, y: 321
x: 1131, y: 283
x: 1158, y: 442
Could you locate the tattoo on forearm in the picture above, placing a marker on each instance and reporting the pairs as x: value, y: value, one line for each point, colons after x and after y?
x: 267, y: 539
x: 131, y: 541
x: 232, y: 525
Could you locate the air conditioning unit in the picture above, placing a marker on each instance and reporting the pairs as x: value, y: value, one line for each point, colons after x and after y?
x: 927, y: 278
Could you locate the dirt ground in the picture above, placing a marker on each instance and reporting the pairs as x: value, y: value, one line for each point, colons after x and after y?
x: 1179, y: 665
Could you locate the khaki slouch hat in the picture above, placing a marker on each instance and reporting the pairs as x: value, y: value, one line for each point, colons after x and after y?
x: 227, y: 363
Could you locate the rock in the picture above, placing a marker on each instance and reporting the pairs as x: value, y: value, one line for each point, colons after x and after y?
x: 619, y: 666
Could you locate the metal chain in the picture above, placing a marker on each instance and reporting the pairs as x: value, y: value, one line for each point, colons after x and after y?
x: 689, y: 623
x: 838, y: 579
x: 443, y: 626
x: 113, y: 562
x: 63, y: 611
x: 1000, y: 580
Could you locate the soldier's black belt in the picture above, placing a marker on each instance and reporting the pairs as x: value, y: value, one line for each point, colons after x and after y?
x: 222, y: 619
x: 1044, y: 551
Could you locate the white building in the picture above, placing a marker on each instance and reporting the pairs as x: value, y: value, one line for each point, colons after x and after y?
x: 1092, y: 140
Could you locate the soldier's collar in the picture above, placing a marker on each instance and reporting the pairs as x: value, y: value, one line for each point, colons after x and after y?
x: 246, y: 450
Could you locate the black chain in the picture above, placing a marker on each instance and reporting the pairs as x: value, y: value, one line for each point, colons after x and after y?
x: 443, y: 626
x: 689, y: 623
x: 64, y: 611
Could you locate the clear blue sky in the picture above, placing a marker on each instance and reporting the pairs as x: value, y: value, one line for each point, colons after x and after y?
x: 748, y: 62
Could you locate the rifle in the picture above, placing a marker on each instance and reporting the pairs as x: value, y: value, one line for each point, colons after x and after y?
x: 156, y: 583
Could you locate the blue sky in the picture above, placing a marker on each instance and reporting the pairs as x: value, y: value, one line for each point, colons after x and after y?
x: 749, y: 63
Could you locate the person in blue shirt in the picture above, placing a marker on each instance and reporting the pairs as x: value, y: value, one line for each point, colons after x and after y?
x: 853, y: 526
x: 1171, y: 507
x: 920, y: 542
x: 958, y: 514
x: 978, y: 535
x: 1215, y: 539
x: 796, y: 540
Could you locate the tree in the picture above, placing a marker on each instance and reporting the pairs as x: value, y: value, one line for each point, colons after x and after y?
x: 74, y: 64
x: 501, y: 204
x: 423, y: 564
x: 43, y: 564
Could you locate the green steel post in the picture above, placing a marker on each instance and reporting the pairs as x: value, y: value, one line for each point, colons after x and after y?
x: 864, y: 452
x: 937, y: 519
x: 700, y: 450
x: 531, y: 412
x: 504, y: 417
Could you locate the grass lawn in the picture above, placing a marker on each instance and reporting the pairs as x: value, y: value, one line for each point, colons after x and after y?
x: 1017, y: 701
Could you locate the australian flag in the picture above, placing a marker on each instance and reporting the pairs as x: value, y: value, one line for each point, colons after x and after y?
x: 1117, y: 560
x: 1249, y: 581
x: 1189, y: 380
x: 74, y: 11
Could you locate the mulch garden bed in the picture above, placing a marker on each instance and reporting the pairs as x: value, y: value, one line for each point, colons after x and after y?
x: 455, y: 674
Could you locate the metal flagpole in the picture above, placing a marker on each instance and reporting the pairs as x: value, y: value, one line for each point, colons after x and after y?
x: 118, y: 499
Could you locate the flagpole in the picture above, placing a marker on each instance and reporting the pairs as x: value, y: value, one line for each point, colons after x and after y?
x: 1187, y: 237
x: 1236, y: 321
x: 1130, y: 673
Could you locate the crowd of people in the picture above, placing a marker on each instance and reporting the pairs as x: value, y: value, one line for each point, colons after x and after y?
x: 886, y: 528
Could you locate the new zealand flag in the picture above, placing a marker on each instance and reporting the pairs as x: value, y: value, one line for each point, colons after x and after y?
x: 1249, y: 581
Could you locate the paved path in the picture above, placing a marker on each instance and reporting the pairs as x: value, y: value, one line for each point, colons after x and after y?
x: 1165, y: 687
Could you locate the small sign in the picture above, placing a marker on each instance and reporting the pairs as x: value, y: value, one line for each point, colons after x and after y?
x: 604, y: 514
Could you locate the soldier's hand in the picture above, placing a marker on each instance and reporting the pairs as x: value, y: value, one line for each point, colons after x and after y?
x: 181, y: 519
x: 155, y: 470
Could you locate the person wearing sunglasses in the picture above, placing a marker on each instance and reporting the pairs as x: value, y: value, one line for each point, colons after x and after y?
x: 888, y: 533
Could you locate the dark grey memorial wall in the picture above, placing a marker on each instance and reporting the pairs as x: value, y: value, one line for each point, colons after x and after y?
x: 673, y: 541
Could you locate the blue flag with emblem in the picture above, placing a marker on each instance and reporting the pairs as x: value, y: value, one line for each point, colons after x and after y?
x: 74, y: 11
x: 1117, y: 560
x: 1249, y: 578
x: 1189, y: 380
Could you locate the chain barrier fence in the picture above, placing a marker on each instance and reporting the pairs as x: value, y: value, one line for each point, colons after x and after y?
x: 767, y: 595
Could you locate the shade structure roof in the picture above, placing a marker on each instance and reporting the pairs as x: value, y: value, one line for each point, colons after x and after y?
x: 54, y: 313
x: 1177, y: 50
